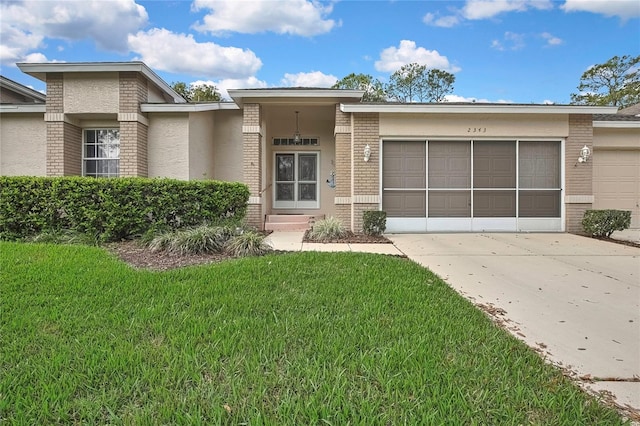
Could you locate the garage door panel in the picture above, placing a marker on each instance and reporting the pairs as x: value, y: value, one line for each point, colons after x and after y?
x: 404, y: 203
x: 616, y: 182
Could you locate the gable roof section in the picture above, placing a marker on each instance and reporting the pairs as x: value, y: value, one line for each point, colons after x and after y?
x: 29, y: 95
x: 633, y: 110
x: 39, y: 71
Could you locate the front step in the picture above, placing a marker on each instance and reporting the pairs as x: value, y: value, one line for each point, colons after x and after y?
x: 290, y: 222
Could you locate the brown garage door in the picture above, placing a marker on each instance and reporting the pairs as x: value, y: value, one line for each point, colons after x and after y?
x: 616, y: 182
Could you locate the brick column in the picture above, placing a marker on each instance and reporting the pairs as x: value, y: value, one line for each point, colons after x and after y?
x: 366, y: 175
x: 578, y: 196
x: 64, y: 140
x: 343, y: 166
x: 252, y: 163
x: 133, y: 125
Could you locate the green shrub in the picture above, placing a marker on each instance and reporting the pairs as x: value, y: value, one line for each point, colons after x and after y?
x: 602, y: 223
x: 249, y: 243
x: 113, y: 209
x: 327, y: 229
x: 201, y: 239
x: 374, y: 222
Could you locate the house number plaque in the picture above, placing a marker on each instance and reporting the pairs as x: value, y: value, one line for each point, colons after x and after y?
x: 476, y: 130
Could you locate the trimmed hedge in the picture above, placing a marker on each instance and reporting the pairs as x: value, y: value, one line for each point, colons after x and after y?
x: 111, y: 209
x: 602, y: 223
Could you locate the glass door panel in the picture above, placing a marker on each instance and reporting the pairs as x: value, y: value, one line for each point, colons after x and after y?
x: 285, y: 177
x: 296, y: 180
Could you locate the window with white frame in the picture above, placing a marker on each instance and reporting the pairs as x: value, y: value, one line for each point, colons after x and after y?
x: 101, y: 153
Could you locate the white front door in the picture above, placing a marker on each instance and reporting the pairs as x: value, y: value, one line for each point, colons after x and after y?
x: 296, y: 180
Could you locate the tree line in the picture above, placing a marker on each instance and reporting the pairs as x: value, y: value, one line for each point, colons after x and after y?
x: 615, y: 83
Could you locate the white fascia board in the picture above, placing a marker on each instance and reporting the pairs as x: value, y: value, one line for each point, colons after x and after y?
x: 26, y: 108
x: 37, y: 69
x: 238, y: 95
x: 477, y: 108
x: 617, y: 124
x: 189, y: 107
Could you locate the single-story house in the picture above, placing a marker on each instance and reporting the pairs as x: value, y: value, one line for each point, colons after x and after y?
x: 322, y: 152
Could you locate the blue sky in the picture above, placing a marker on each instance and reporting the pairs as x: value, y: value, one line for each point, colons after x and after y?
x: 522, y: 51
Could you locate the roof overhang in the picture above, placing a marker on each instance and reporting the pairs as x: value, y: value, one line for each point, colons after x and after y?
x: 450, y: 108
x: 23, y: 108
x: 22, y: 89
x: 617, y: 124
x: 294, y: 95
x: 200, y: 107
x: 39, y: 71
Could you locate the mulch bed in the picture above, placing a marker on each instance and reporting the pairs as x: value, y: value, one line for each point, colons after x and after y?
x: 139, y: 256
x: 622, y: 242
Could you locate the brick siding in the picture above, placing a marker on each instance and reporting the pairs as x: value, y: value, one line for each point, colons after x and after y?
x: 133, y: 92
x: 252, y: 162
x: 343, y: 166
x: 133, y: 149
x: 55, y: 93
x: 366, y: 179
x: 578, y: 176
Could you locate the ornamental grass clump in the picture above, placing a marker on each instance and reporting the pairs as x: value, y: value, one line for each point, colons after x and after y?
x: 201, y: 239
x: 327, y: 229
x: 64, y: 236
x: 249, y: 243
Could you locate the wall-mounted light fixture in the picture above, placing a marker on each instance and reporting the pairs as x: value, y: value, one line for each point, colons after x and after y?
x: 367, y: 153
x: 585, y: 153
x: 296, y: 135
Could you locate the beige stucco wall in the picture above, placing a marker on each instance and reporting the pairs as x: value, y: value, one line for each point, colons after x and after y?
x: 473, y: 125
x: 201, y: 147
x: 91, y: 93
x: 611, y: 138
x: 168, y: 145
x: 227, y: 140
x: 23, y: 147
x: 155, y: 95
x: 314, y: 121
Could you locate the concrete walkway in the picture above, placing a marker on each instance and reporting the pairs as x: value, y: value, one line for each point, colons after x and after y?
x: 574, y: 299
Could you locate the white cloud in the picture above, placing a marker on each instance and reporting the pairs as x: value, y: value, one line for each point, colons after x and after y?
x: 224, y: 85
x: 35, y: 58
x: 551, y: 39
x: 298, y: 17
x: 392, y: 58
x: 510, y: 41
x: 309, y: 79
x: 26, y: 24
x: 464, y: 99
x: 181, y: 53
x: 485, y: 9
x: 625, y: 9
x: 441, y: 21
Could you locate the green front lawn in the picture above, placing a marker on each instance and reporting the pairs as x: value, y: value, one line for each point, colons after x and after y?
x: 300, y: 338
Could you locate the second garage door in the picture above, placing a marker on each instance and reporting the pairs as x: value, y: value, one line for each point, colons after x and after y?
x: 616, y: 182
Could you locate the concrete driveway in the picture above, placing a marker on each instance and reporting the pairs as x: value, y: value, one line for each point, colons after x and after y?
x: 574, y: 299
